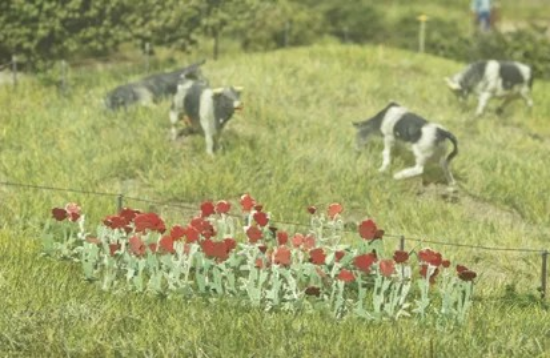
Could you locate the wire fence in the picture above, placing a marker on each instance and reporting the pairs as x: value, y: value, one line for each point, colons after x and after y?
x: 121, y: 198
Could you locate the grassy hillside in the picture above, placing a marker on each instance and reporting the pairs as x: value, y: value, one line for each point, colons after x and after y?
x: 292, y: 146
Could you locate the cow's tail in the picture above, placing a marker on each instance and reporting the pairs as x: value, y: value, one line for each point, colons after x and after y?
x: 448, y: 135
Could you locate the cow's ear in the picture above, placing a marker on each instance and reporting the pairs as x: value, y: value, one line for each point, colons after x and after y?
x: 238, y: 88
x: 217, y: 91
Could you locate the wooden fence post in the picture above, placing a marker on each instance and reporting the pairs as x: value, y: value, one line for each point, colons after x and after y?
x: 402, y: 243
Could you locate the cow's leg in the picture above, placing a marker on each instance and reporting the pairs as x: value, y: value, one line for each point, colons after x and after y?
x: 525, y: 93
x: 421, y: 157
x: 174, y: 118
x: 482, y: 102
x: 386, y: 153
x: 504, y: 103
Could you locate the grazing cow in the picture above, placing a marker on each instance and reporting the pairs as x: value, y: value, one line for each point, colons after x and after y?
x: 427, y: 139
x: 150, y: 89
x: 204, y: 109
x: 492, y: 78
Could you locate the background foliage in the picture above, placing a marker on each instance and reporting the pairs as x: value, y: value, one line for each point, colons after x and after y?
x: 42, y: 31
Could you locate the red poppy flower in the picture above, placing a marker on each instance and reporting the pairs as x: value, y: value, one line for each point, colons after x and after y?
x: 334, y: 210
x: 346, y: 276
x: 400, y: 256
x: 364, y: 262
x: 387, y: 267
x: 214, y: 249
x: 177, y: 232
x: 261, y: 218
x: 59, y: 214
x: 369, y: 231
x: 254, y: 234
x: 203, y: 226
x: 445, y: 263
x: 223, y: 207
x: 137, y: 246
x: 282, y: 256
x: 191, y: 234
x: 297, y: 240
x: 73, y: 211
x: 128, y: 214
x: 166, y: 243
x: 282, y: 237
x: 207, y: 209
x: 467, y: 275
x: 460, y: 268
x: 311, y: 209
x: 429, y: 256
x: 114, y: 222
x: 149, y: 221
x: 317, y: 256
x: 309, y: 242
x: 262, y: 248
x: 247, y: 203
x: 338, y: 255
x: 113, y: 248
x: 230, y: 244
x: 313, y: 291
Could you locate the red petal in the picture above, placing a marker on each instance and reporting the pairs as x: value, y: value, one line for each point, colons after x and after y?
x: 261, y: 218
x: 247, y: 202
x: 59, y: 214
x: 207, y: 209
x: 222, y: 207
x: 334, y: 210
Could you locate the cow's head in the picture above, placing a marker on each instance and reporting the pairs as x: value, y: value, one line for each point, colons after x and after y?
x: 455, y: 86
x: 365, y: 130
x: 227, y: 100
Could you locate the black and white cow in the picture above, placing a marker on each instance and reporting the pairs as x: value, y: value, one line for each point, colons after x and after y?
x: 487, y: 79
x: 204, y: 110
x: 150, y: 89
x: 427, y: 140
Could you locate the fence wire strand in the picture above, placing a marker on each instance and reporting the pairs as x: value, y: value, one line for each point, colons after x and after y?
x: 193, y: 208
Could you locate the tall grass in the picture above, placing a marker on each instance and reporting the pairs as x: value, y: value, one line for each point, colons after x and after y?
x: 292, y: 146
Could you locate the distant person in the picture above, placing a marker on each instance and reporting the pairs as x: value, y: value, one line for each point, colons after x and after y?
x: 482, y: 13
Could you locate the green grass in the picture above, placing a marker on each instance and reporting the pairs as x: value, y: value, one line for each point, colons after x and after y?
x: 292, y: 146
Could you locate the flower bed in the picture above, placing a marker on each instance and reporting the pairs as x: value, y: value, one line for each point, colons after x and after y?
x: 216, y: 255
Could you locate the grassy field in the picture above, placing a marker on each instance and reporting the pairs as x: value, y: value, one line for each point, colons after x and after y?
x: 292, y: 146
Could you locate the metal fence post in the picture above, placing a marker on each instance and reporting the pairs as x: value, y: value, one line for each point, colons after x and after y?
x: 120, y: 202
x: 147, y: 60
x: 544, y: 271
x: 422, y: 32
x: 402, y: 243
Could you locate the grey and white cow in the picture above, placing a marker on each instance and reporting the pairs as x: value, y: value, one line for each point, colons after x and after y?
x: 204, y: 110
x: 427, y: 140
x: 151, y: 89
x: 491, y: 78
